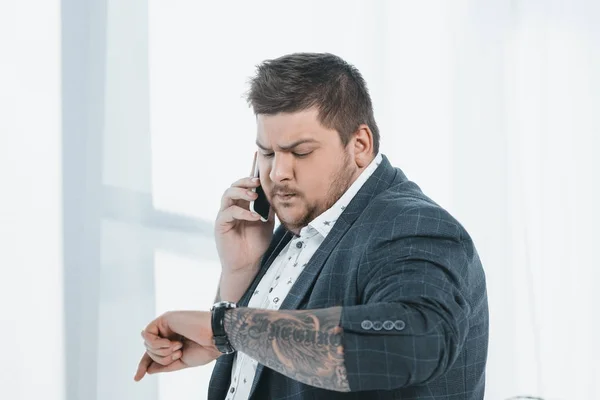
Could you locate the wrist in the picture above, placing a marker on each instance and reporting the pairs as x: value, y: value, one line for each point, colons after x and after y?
x: 227, y: 323
x: 240, y: 271
x: 234, y: 283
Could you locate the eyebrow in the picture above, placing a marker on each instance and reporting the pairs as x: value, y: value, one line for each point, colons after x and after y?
x: 289, y: 146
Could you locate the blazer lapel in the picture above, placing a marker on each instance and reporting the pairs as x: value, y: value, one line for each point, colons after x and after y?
x: 381, y: 179
x: 221, y: 376
x: 281, y: 237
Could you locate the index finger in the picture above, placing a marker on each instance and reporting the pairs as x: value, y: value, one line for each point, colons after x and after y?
x: 156, y: 342
x: 246, y: 183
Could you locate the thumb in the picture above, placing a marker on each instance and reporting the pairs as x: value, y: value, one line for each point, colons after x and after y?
x: 156, y: 368
x: 145, y: 362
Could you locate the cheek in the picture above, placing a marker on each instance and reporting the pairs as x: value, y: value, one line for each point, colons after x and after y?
x: 315, y: 188
x: 267, y: 185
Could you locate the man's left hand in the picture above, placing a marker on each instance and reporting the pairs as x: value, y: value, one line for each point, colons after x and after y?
x: 177, y: 340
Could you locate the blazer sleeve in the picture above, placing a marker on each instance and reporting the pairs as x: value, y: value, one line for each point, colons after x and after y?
x: 412, y: 317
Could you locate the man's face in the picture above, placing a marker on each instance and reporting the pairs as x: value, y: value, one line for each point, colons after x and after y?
x: 304, y: 167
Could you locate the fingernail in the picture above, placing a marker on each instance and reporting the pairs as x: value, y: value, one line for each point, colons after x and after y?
x: 177, y: 347
x: 254, y: 179
x: 175, y: 356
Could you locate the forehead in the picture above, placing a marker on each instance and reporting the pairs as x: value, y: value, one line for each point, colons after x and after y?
x: 283, y: 128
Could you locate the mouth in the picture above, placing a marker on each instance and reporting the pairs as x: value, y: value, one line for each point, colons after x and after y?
x: 285, y: 196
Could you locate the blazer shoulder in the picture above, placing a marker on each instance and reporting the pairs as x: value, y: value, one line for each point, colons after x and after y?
x: 403, y: 209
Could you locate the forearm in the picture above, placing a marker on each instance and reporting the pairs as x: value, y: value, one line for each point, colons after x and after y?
x: 233, y: 285
x: 305, y: 345
x: 420, y: 338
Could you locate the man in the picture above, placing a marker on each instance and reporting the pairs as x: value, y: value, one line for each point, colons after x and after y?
x: 367, y: 290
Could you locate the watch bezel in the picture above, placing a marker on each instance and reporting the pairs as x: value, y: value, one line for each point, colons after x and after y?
x: 227, y: 304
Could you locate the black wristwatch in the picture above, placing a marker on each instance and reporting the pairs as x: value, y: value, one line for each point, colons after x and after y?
x: 218, y: 318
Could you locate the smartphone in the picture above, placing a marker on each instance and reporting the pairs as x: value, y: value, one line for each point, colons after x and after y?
x: 260, y: 205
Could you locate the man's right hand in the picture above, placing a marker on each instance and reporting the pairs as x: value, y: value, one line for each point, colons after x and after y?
x: 241, y: 237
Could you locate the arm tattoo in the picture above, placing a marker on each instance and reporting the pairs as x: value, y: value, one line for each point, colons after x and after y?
x: 305, y: 345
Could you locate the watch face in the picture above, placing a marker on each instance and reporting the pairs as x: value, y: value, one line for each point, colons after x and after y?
x: 226, y: 304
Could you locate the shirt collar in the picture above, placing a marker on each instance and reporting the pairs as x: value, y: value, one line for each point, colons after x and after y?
x: 324, y: 222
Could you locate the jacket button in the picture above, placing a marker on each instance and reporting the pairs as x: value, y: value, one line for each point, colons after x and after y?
x: 377, y: 325
x: 299, y: 245
x: 388, y: 325
x: 366, y: 325
x: 399, y: 325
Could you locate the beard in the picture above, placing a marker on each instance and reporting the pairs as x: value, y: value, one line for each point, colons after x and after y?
x: 340, y: 182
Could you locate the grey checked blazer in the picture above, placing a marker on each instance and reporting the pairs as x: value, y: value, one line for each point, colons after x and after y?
x: 413, y: 292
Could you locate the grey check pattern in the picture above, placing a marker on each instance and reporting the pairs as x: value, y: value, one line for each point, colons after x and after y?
x: 394, y: 256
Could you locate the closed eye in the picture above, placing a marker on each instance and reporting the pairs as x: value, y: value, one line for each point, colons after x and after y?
x: 302, y: 155
x: 298, y: 155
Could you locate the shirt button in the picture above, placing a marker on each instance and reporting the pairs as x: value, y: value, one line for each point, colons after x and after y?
x: 299, y: 245
x: 232, y: 390
x: 388, y: 325
x: 366, y: 324
x: 399, y: 325
x: 377, y: 325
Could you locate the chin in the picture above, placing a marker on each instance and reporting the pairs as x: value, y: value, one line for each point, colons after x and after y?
x: 288, y: 220
x: 292, y: 221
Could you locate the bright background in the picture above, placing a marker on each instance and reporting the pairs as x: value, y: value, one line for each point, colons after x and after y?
x: 122, y: 122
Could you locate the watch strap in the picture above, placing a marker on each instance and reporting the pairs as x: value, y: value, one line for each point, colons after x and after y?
x: 218, y: 319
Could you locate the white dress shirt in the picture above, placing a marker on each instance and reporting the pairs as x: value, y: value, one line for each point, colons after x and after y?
x: 284, y: 271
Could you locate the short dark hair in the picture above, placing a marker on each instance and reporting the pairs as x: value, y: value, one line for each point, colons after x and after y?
x: 299, y: 81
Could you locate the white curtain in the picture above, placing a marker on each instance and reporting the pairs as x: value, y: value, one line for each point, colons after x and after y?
x: 491, y: 107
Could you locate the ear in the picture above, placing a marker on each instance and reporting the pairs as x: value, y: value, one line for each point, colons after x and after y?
x: 362, y: 143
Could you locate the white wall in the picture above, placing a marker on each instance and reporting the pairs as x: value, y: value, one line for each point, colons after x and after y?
x: 31, y: 274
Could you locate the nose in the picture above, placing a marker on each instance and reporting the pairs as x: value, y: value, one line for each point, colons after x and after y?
x: 282, y: 167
